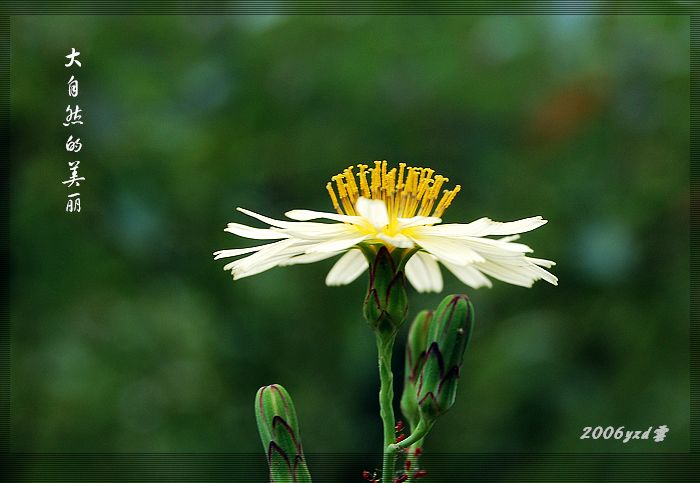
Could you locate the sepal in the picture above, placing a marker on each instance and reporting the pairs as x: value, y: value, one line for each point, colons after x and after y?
x: 386, y: 303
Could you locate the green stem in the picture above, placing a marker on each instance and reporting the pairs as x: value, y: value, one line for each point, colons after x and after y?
x: 421, y: 430
x: 413, y: 458
x: 385, y: 348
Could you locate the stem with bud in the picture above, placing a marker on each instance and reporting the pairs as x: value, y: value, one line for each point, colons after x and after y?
x: 386, y: 408
x: 385, y: 309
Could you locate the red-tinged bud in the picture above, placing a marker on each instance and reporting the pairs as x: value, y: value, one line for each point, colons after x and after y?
x: 400, y: 438
x: 417, y: 452
x: 366, y: 475
x: 420, y: 474
x: 403, y: 478
x: 449, y: 332
x: 407, y: 465
x: 399, y: 425
x: 279, y: 433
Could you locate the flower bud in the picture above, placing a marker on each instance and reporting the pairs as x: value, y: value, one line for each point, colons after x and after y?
x: 386, y: 303
x: 415, y: 354
x: 279, y: 433
x: 448, y: 334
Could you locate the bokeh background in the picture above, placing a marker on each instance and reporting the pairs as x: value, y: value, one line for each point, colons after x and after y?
x: 128, y: 337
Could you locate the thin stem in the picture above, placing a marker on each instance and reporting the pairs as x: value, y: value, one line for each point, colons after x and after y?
x: 421, y: 430
x: 413, y: 458
x: 386, y: 408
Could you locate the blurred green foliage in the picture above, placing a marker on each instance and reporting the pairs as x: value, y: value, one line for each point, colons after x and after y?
x: 128, y: 337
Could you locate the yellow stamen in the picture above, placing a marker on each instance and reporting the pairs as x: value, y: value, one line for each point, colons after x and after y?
x: 376, y: 179
x: 452, y: 196
x: 399, y: 184
x: 441, y: 205
x: 363, y: 180
x: 334, y: 200
x: 342, y: 191
x: 407, y: 192
x: 446, y: 200
x: 432, y: 195
x: 352, y: 186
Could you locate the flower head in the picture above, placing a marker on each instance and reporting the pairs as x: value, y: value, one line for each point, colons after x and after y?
x: 401, y: 209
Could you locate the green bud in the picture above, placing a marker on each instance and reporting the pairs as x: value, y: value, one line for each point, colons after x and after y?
x: 386, y: 303
x: 415, y: 356
x: 448, y: 334
x: 279, y: 433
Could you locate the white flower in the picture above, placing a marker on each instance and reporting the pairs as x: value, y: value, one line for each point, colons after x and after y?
x: 397, y: 210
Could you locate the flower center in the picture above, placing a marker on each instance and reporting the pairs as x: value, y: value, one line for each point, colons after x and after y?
x: 407, y: 192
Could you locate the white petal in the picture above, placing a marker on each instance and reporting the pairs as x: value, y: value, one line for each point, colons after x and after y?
x: 316, y: 231
x: 513, y: 227
x: 284, y: 248
x: 545, y: 275
x: 309, y: 258
x: 468, y: 275
x: 500, y: 247
x: 306, y: 215
x: 347, y: 268
x: 241, y: 270
x: 542, y: 262
x: 254, y: 233
x: 514, y: 275
x: 424, y: 273
x: 267, y: 219
x: 482, y: 245
x: 486, y: 227
x: 399, y: 240
x: 374, y: 211
x: 337, y: 244
x: 509, y: 238
x: 417, y: 221
x: 448, y: 249
x: 236, y: 251
x: 263, y: 267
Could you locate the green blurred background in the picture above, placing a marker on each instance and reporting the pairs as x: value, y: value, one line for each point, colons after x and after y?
x: 128, y: 337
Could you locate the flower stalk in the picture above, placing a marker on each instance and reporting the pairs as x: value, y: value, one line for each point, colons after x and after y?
x: 385, y: 309
x: 386, y: 408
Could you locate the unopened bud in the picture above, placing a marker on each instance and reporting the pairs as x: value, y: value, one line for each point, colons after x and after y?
x: 415, y: 356
x: 448, y: 334
x: 279, y: 433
